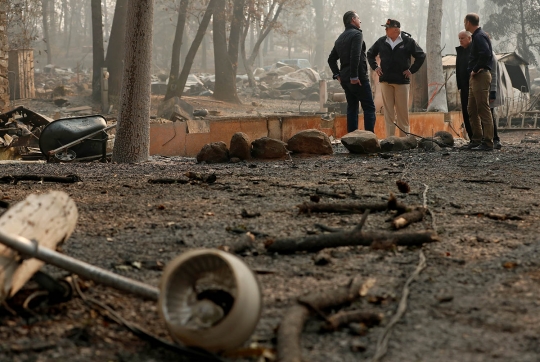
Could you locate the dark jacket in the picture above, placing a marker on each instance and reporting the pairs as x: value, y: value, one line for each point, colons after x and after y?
x: 395, y: 61
x: 350, y: 49
x: 481, y: 52
x: 462, y: 62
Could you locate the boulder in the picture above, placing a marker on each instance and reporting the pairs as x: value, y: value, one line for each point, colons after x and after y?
x: 268, y: 148
x: 393, y: 144
x: 240, y: 146
x: 430, y: 144
x: 216, y: 152
x: 445, y: 137
x: 411, y: 142
x: 310, y: 141
x: 361, y: 141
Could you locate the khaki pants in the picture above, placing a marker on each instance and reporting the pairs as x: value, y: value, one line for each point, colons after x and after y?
x: 480, y: 116
x: 396, y: 103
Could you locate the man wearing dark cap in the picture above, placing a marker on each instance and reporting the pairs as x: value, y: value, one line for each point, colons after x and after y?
x: 350, y: 49
x: 395, y: 50
x: 480, y: 62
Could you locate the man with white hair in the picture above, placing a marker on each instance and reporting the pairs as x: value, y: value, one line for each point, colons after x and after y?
x: 462, y: 76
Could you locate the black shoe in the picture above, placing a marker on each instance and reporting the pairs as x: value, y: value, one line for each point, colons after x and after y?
x: 497, y: 145
x: 469, y: 146
x: 482, y: 147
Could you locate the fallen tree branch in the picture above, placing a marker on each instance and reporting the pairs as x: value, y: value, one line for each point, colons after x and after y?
x: 314, y: 243
x: 288, y: 336
x: 483, y: 181
x: 382, y: 343
x: 289, y: 348
x: 353, y: 208
x: 168, y: 181
x: 490, y: 215
x: 333, y: 297
x: 60, y: 179
x: 408, y: 218
x: 336, y: 321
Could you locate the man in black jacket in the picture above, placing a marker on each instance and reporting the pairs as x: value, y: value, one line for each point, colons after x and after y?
x: 462, y: 76
x: 395, y: 70
x: 480, y: 63
x: 350, y: 49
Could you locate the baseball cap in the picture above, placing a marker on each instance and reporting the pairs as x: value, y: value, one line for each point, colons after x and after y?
x: 391, y: 23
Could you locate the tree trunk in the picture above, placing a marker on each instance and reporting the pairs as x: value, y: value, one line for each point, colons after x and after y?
x: 436, y: 87
x: 132, y: 142
x: 116, y: 48
x: 247, y: 65
x: 182, y: 79
x: 45, y: 15
x: 320, y: 32
x: 525, y: 49
x: 4, y: 47
x: 420, y: 20
x: 106, y: 25
x: 177, y: 45
x: 98, y: 51
x: 226, y: 59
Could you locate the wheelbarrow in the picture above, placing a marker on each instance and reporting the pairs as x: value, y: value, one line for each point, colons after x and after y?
x: 67, y: 139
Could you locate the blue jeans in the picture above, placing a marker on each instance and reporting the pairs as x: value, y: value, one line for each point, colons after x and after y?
x: 356, y: 94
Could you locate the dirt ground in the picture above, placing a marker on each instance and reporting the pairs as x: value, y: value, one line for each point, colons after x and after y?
x: 478, y: 299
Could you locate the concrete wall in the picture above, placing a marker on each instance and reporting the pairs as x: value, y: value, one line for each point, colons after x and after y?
x: 187, y: 138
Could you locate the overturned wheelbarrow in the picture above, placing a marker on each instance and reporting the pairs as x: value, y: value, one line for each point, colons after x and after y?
x: 80, y: 138
x: 207, y: 298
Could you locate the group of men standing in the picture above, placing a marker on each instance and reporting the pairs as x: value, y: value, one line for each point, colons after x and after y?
x: 395, y: 69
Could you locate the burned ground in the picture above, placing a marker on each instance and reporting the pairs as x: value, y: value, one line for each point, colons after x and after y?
x: 477, y: 299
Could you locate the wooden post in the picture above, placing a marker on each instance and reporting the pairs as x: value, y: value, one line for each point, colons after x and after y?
x: 104, y: 91
x: 323, y: 95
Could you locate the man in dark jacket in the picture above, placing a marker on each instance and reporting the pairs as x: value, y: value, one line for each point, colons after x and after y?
x: 480, y: 63
x: 462, y: 76
x: 350, y: 49
x: 395, y: 50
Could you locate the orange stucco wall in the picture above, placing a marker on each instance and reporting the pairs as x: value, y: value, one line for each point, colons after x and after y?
x: 175, y: 139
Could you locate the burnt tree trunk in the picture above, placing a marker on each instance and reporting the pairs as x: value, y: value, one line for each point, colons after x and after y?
x: 116, y: 49
x: 177, y: 45
x: 188, y: 62
x: 226, y: 59
x: 436, y: 84
x: 45, y: 15
x: 98, y: 51
x: 132, y: 142
x: 4, y: 83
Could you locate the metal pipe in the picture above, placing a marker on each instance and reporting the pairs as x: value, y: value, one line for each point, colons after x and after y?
x: 88, y: 271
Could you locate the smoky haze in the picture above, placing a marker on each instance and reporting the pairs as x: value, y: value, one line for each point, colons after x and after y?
x: 303, y: 30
